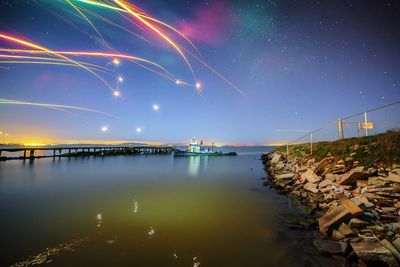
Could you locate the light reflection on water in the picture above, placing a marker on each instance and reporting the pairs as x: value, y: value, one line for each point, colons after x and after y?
x: 143, y: 211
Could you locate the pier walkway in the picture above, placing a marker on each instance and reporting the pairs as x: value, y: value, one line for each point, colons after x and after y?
x: 79, y: 151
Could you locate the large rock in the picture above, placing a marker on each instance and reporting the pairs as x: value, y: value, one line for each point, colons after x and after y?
x: 373, y: 251
x: 351, y: 176
x: 329, y: 247
x: 310, y: 176
x: 337, y: 216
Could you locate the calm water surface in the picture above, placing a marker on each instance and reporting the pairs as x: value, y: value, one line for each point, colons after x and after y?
x: 144, y: 211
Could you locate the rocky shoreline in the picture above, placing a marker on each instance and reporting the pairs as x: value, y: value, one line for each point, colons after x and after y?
x: 355, y: 208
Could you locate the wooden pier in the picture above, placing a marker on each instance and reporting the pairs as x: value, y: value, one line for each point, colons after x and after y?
x: 82, y: 151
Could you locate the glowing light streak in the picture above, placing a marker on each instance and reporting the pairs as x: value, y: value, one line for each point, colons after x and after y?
x: 44, y: 49
x: 126, y: 7
x: 46, y: 105
x: 144, y: 17
x: 115, y: 56
x: 86, y: 18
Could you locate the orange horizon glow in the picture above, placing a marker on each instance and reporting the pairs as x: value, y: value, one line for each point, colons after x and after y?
x: 43, y: 141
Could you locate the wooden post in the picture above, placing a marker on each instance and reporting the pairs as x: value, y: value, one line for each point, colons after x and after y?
x: 32, y: 154
x: 340, y: 128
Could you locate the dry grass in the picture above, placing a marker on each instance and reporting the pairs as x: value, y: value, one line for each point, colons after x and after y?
x: 382, y: 149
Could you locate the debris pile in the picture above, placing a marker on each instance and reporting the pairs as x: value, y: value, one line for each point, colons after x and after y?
x: 357, y: 208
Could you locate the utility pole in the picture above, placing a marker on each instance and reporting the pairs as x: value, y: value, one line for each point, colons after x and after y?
x: 340, y: 127
x: 366, y: 123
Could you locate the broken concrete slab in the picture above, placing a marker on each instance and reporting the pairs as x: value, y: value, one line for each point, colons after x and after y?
x: 310, y: 176
x: 324, y: 183
x: 275, y: 158
x: 351, y: 176
x: 396, y: 244
x: 332, y: 177
x: 329, y: 247
x: 311, y: 187
x: 337, y: 235
x: 392, y: 177
x: 357, y: 223
x: 391, y: 248
x: 373, y: 251
x: 336, y: 217
x: 345, y: 230
x: 284, y: 176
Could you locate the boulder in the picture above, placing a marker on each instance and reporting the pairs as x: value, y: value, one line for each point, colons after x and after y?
x: 329, y: 247
x: 374, y: 252
x: 310, y: 176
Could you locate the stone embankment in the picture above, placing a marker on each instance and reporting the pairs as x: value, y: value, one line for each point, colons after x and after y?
x: 355, y: 208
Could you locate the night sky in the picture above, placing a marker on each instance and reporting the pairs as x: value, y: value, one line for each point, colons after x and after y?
x: 300, y: 64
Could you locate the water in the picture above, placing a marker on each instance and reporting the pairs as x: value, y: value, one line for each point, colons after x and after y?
x: 144, y: 211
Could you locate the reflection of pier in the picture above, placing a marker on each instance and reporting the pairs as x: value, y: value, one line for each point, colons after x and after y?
x: 82, y: 151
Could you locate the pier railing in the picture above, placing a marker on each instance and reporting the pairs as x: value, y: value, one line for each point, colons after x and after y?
x: 31, y: 153
x: 369, y: 122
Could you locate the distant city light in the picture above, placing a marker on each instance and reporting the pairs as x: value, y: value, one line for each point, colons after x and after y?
x: 104, y: 128
x: 156, y: 107
x: 120, y: 79
x: 138, y: 130
x: 116, y: 61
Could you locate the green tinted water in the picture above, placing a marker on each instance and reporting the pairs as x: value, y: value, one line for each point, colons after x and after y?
x: 142, y: 211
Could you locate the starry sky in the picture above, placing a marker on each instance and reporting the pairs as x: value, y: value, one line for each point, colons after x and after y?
x: 299, y: 64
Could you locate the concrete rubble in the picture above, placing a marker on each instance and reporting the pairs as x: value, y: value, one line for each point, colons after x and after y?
x: 355, y: 208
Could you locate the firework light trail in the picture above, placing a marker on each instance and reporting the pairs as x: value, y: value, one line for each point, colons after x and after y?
x: 96, y: 54
x: 54, y: 106
x: 125, y: 7
x: 49, y: 61
x: 131, y: 10
x: 26, y: 43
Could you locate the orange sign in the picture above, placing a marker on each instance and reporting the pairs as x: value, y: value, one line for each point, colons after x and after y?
x: 368, y: 125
